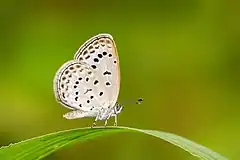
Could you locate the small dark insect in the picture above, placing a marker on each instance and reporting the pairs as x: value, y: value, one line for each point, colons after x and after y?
x: 139, y: 101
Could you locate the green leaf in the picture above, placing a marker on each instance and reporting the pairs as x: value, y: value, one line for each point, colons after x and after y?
x: 40, y: 147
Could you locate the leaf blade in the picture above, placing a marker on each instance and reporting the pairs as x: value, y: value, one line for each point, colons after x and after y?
x: 39, y: 147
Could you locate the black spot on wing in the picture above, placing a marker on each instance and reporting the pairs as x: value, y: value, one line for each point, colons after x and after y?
x: 100, y: 55
x: 88, y: 90
x: 108, y: 84
x: 96, y: 60
x: 107, y: 73
x: 94, y: 66
x: 95, y: 82
x: 87, y: 57
x: 92, y: 51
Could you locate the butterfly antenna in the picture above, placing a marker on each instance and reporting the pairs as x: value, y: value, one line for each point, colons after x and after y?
x: 139, y: 101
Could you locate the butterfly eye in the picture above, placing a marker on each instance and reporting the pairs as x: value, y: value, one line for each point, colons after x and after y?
x: 119, y: 108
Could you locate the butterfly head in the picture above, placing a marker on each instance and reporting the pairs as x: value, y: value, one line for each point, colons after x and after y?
x: 118, y: 108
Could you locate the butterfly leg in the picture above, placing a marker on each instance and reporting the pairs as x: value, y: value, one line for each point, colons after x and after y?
x: 106, y: 121
x: 105, y: 124
x: 97, y: 117
x: 115, y: 122
x: 94, y: 124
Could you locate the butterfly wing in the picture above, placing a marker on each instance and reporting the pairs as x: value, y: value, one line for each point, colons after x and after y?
x: 100, y: 53
x: 75, y: 88
x: 79, y: 114
x: 90, y: 81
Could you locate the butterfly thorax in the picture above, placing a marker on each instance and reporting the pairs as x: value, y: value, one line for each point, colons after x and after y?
x: 109, y: 112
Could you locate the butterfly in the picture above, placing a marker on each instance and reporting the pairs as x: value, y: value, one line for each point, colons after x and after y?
x: 89, y: 84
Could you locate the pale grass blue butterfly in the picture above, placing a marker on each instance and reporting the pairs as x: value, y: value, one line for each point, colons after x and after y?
x: 89, y: 84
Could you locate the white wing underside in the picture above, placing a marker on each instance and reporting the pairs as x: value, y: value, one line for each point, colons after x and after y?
x: 79, y: 114
x: 91, y: 81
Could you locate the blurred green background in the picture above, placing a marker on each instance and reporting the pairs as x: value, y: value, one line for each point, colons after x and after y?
x: 181, y: 56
